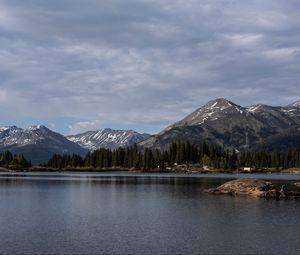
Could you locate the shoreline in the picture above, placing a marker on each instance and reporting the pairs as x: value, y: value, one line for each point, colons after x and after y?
x: 78, y: 174
x: 130, y: 170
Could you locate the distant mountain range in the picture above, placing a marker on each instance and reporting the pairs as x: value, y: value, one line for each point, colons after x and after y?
x: 107, y: 138
x: 220, y: 121
x: 37, y: 143
x: 230, y: 125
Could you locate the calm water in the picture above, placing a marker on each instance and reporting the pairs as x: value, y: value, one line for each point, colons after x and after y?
x: 140, y: 214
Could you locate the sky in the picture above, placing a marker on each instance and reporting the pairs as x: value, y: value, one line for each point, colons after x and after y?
x: 78, y: 65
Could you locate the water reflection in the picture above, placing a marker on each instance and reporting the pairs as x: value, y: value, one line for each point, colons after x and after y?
x: 139, y: 214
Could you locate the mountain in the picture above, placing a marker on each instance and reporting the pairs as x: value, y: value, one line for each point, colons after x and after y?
x: 107, y: 138
x: 230, y: 125
x: 37, y: 143
x: 219, y: 121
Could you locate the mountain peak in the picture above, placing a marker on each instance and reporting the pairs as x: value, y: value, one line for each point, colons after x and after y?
x: 230, y: 125
x: 295, y: 104
x: 4, y: 128
x: 107, y: 138
x: 219, y: 102
x: 35, y: 127
x: 37, y: 143
x: 31, y: 128
x: 212, y: 111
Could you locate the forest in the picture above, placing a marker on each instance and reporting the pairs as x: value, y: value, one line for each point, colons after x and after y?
x: 204, y: 155
x: 9, y: 160
x: 178, y: 154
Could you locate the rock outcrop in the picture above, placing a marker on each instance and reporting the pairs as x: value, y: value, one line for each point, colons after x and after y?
x: 255, y: 188
x: 251, y: 187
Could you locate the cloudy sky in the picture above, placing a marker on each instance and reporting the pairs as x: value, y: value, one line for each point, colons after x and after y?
x: 76, y: 65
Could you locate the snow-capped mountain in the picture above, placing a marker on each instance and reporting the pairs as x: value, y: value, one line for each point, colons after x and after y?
x: 219, y: 121
x: 107, y: 138
x: 37, y: 143
x: 233, y: 126
x: 295, y: 104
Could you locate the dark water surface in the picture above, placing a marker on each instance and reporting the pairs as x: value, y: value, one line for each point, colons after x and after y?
x: 106, y: 213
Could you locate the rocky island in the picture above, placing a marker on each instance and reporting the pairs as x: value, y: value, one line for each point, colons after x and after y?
x: 253, y: 187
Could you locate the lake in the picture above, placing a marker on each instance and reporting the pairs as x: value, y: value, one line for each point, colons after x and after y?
x: 123, y: 213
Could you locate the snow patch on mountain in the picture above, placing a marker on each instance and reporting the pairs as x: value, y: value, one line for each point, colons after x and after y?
x: 295, y: 104
x: 253, y: 109
x: 212, y: 111
x: 37, y: 143
x: 12, y: 135
x: 107, y: 138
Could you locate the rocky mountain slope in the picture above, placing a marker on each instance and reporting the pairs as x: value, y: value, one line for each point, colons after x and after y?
x: 37, y: 143
x: 107, y: 138
x: 230, y: 125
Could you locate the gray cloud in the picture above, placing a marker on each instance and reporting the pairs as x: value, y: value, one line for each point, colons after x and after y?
x: 146, y: 63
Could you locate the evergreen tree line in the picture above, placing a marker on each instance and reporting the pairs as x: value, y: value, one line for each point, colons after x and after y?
x: 277, y: 159
x: 8, y: 159
x: 178, y: 154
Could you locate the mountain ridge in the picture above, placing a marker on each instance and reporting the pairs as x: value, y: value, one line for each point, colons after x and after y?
x: 107, y: 138
x: 37, y: 143
x: 219, y: 121
x: 230, y: 125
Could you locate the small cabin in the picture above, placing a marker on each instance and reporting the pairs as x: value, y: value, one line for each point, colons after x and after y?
x: 247, y: 169
x: 206, y: 168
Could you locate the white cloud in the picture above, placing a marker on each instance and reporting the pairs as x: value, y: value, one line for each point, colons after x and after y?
x: 143, y: 62
x: 7, y: 18
x: 81, y: 127
x: 245, y: 39
x: 2, y: 96
x: 282, y: 54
